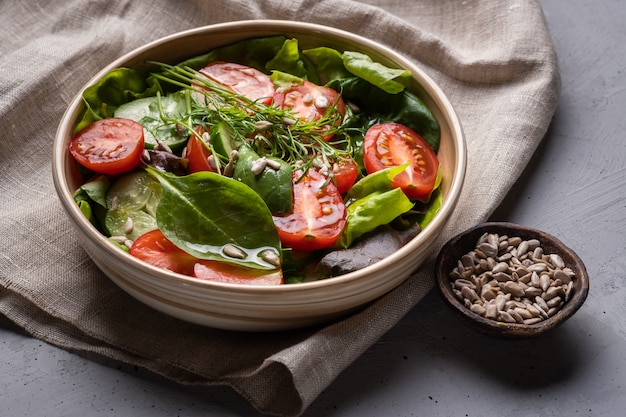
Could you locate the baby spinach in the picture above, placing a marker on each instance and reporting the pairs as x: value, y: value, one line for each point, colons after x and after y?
x: 275, y: 186
x: 204, y: 212
x: 378, y: 106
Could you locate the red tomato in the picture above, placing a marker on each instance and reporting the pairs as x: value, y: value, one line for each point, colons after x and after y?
x: 309, y: 101
x: 318, y: 217
x: 197, y: 154
x: 345, y: 173
x: 154, y: 248
x: 392, y: 144
x: 243, y: 80
x: 109, y: 146
x: 235, y: 274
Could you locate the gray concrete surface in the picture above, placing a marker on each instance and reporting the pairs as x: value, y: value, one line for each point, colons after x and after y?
x: 430, y: 364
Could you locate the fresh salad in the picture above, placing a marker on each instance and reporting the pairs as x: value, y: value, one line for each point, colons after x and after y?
x: 258, y: 162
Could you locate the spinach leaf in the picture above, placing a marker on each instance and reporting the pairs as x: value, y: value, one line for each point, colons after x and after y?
x: 203, y: 213
x: 275, y: 186
x: 378, y: 106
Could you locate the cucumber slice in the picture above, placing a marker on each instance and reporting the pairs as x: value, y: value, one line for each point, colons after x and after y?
x: 147, y: 111
x: 117, y: 220
x: 223, y: 139
x: 133, y: 196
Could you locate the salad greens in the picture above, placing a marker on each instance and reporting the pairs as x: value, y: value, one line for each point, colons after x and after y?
x: 187, y: 218
x: 171, y: 102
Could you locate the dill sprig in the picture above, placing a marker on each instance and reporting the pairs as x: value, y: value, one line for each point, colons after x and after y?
x: 268, y: 129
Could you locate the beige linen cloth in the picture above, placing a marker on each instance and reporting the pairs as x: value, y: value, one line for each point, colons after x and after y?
x: 494, y: 59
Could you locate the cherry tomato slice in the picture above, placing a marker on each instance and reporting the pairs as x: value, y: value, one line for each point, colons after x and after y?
x: 309, y: 101
x: 109, y: 146
x: 154, y: 248
x: 393, y: 144
x: 246, y: 81
x: 197, y: 155
x: 235, y: 274
x: 345, y: 173
x: 318, y: 217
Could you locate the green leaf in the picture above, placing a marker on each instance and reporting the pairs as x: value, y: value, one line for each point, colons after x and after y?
x: 378, y: 181
x: 288, y: 60
x: 328, y: 62
x: 91, y: 199
x: 372, y: 211
x: 204, y: 212
x: 379, y: 106
x: 435, y: 203
x: 252, y: 52
x: 390, y: 80
x: 116, y: 88
x: 275, y: 186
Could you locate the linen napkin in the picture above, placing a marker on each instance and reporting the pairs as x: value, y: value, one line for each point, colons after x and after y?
x: 494, y: 60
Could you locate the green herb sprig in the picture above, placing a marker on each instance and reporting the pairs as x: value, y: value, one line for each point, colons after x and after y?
x: 268, y: 129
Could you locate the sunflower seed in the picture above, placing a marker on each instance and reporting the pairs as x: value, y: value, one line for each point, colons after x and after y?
x: 554, y: 302
x: 274, y: 164
x: 258, y: 166
x: 556, y: 260
x: 270, y: 257
x: 118, y: 239
x: 478, y: 309
x: 129, y: 226
x: 233, y: 251
x: 512, y: 280
x: 469, y: 294
x: 506, y: 317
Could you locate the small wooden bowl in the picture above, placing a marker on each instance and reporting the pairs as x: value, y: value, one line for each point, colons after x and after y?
x: 465, y: 242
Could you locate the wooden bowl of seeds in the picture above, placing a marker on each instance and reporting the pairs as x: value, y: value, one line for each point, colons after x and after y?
x: 511, y: 281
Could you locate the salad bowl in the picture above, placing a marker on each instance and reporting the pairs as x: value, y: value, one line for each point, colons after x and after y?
x: 263, y: 307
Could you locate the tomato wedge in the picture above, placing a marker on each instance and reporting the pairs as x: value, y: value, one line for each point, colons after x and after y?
x: 235, y: 274
x: 392, y: 144
x: 246, y: 81
x: 154, y: 248
x: 318, y: 217
x: 309, y: 101
x: 197, y: 155
x: 345, y: 172
x: 109, y: 146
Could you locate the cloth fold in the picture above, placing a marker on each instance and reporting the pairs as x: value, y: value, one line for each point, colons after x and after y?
x: 494, y: 60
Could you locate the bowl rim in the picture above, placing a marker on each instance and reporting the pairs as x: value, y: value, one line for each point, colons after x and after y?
x: 268, y: 27
x: 511, y: 330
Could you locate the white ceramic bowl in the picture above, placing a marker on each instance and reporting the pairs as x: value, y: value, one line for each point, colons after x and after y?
x: 254, y: 308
